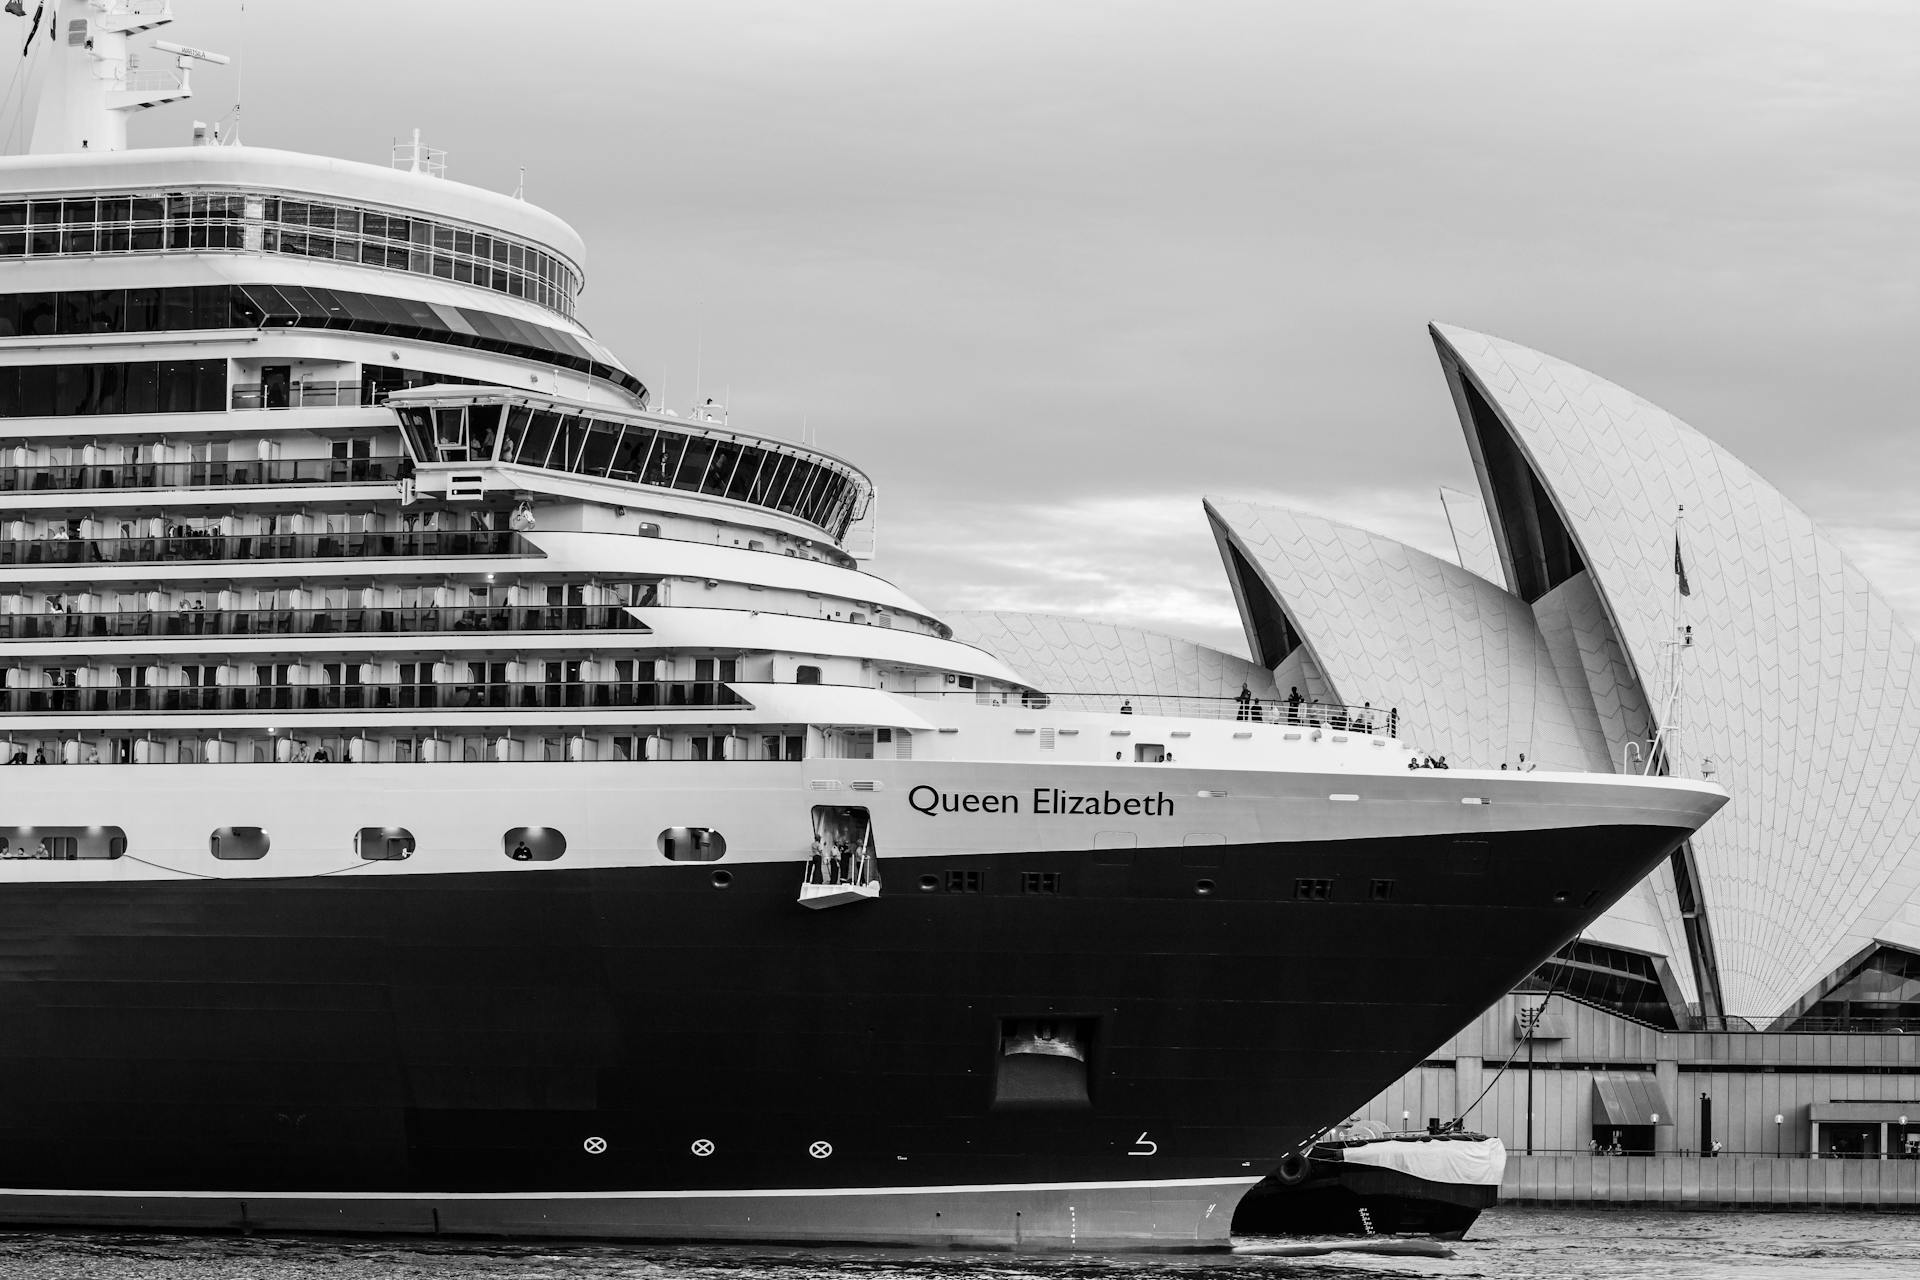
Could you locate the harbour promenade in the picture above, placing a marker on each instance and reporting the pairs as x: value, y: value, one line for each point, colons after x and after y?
x: 1710, y: 1183
x: 1600, y: 1109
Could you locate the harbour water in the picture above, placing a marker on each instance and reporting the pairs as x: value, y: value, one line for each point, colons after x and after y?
x: 1508, y: 1244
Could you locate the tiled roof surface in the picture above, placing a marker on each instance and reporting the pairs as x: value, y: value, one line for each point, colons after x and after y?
x: 1800, y: 679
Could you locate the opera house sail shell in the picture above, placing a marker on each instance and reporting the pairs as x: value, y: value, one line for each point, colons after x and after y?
x: 1634, y: 583
x: 1797, y: 681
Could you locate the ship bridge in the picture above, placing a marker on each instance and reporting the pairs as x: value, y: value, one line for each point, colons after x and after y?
x: 451, y: 431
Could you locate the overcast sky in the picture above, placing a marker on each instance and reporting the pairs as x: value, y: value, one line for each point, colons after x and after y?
x: 1051, y: 270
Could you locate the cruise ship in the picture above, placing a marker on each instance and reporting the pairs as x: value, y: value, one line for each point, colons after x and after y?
x: 443, y: 790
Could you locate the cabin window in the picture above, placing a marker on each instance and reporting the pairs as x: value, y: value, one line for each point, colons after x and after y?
x: 806, y: 675
x: 383, y: 844
x: 239, y: 844
x: 62, y: 844
x: 1312, y: 890
x: 692, y: 844
x: 1040, y: 882
x: 533, y: 844
x: 1043, y: 1064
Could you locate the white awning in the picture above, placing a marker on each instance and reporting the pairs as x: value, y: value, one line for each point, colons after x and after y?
x: 833, y: 705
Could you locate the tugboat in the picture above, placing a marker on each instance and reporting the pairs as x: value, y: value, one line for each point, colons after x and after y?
x: 1360, y: 1179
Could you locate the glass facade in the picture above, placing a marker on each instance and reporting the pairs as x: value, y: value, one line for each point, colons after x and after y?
x: 1881, y: 994
x: 262, y: 306
x: 233, y: 219
x: 137, y: 386
x: 1624, y: 982
x: 690, y: 458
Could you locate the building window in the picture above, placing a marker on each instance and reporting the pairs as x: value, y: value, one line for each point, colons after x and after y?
x: 239, y: 844
x: 533, y: 844
x: 62, y: 844
x: 692, y: 844
x: 383, y: 844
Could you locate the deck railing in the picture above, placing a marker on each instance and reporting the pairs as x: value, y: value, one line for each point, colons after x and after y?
x: 342, y: 621
x: 392, y: 695
x: 311, y: 393
x: 198, y: 475
x: 270, y: 546
x: 1337, y: 717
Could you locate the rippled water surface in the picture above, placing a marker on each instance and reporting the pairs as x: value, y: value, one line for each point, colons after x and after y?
x: 1524, y: 1244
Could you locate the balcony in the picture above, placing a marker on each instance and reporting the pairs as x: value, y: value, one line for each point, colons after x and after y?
x: 414, y: 620
x: 528, y: 695
x: 199, y: 475
x: 193, y: 547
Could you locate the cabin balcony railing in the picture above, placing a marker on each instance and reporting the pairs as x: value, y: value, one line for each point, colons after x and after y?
x: 107, y: 625
x: 528, y: 695
x: 198, y: 475
x: 269, y: 546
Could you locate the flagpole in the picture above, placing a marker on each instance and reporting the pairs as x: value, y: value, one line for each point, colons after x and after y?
x: 1665, y: 731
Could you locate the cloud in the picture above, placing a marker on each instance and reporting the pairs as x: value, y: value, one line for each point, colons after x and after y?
x: 1147, y: 560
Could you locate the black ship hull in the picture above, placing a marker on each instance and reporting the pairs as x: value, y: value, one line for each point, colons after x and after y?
x: 682, y: 1052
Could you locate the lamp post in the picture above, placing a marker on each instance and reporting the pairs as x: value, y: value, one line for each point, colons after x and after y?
x: 1653, y: 1142
x: 1903, y: 1136
x: 1406, y: 1119
x: 1778, y: 1120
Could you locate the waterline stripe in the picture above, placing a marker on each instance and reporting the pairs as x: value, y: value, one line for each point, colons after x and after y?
x: 959, y: 1189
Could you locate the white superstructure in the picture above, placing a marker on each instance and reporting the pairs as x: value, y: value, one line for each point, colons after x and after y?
x: 309, y: 461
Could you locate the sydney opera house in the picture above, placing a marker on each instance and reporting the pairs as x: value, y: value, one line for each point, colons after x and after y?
x: 1627, y: 595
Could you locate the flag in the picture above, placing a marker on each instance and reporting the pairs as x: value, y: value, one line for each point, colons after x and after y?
x: 1680, y: 567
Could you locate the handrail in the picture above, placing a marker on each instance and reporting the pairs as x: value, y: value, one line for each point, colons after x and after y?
x: 267, y: 546
x: 199, y: 475
x: 384, y: 695
x: 308, y: 393
x: 1308, y: 715
x: 359, y: 620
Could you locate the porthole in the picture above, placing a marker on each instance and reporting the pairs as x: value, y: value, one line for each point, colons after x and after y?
x: 533, y: 844
x: 239, y: 844
x: 721, y: 879
x: 692, y: 844
x: 383, y: 844
x: 929, y: 884
x: 1203, y: 887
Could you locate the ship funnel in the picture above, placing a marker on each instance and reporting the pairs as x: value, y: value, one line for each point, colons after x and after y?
x: 80, y: 80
